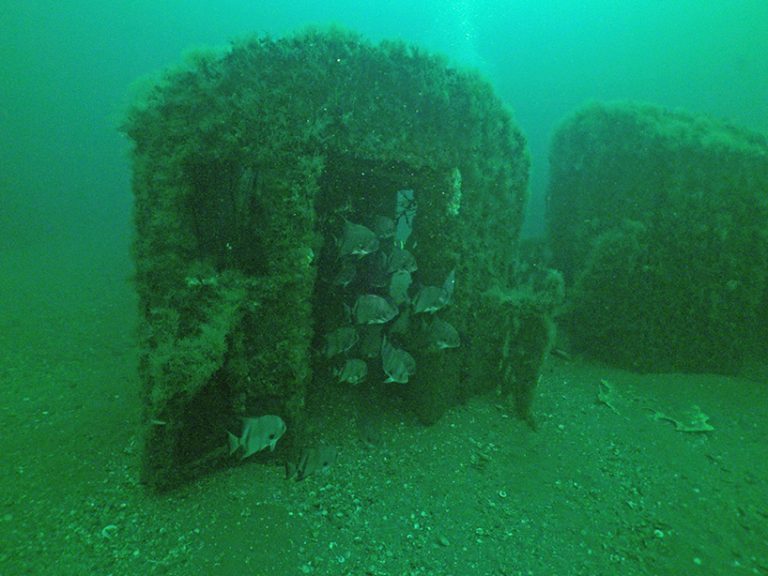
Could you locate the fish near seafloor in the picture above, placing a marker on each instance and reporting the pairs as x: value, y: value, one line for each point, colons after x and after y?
x: 398, y: 364
x: 311, y: 461
x: 257, y: 434
x: 357, y: 240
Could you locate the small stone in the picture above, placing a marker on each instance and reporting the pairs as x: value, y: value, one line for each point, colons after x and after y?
x: 443, y: 541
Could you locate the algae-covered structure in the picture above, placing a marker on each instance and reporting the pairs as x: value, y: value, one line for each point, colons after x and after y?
x: 659, y: 221
x: 294, y: 188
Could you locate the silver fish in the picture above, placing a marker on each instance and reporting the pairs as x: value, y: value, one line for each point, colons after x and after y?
x: 357, y: 240
x: 345, y: 274
x: 401, y: 259
x: 318, y: 459
x: 402, y: 323
x: 448, y: 285
x: 443, y: 335
x: 369, y: 423
x: 354, y: 371
x: 399, y: 284
x: 258, y: 433
x: 398, y: 364
x: 373, y: 309
x: 384, y: 227
x: 375, y: 272
x: 430, y: 299
x: 339, y: 341
x: 370, y: 340
x: 405, y: 212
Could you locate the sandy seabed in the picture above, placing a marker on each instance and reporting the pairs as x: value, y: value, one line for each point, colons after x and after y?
x: 600, y: 488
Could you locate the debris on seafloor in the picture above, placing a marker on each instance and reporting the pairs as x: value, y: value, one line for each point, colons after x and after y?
x: 693, y: 420
x: 607, y: 395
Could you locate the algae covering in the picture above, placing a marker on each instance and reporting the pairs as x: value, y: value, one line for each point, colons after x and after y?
x: 518, y: 336
x: 659, y: 221
x: 252, y: 167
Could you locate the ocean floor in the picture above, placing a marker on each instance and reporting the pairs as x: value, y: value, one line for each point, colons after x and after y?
x: 621, y: 476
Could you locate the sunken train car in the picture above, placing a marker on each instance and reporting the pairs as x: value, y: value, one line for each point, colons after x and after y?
x: 309, y: 202
x: 659, y: 221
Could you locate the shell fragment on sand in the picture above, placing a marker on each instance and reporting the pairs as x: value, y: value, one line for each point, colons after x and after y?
x: 691, y: 421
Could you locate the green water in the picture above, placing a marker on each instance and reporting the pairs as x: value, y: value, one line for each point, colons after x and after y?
x: 609, y: 484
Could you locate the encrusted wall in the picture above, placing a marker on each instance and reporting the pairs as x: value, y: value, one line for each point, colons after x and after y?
x: 659, y: 221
